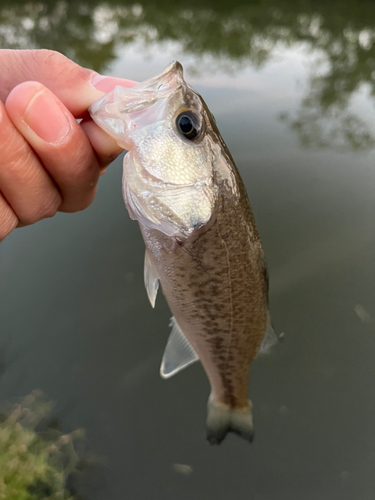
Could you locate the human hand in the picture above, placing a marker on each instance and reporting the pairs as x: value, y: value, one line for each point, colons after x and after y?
x: 48, y: 161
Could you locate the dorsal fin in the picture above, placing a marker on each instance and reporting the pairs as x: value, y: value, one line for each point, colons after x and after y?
x: 178, y: 353
x: 151, y: 279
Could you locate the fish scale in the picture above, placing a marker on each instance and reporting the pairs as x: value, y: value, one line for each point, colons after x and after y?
x: 202, y: 244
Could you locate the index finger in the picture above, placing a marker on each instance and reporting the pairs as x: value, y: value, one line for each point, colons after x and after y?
x: 76, y: 87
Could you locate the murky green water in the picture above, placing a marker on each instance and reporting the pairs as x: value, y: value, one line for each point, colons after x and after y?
x: 292, y: 88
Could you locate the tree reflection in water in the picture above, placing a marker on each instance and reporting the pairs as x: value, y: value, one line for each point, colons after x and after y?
x: 235, y: 33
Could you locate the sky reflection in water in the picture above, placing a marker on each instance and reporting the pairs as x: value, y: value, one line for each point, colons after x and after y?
x: 337, y: 48
x: 292, y: 88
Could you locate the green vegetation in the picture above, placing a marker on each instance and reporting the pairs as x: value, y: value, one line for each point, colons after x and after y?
x: 34, y: 465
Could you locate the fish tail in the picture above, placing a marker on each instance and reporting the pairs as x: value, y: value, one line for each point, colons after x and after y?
x: 222, y: 419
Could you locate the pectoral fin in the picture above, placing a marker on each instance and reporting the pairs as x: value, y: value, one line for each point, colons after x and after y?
x: 151, y: 279
x: 178, y: 354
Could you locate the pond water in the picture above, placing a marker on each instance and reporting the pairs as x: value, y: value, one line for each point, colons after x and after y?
x: 292, y: 88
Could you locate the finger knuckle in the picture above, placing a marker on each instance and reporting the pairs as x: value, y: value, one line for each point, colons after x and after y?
x: 52, y: 207
x: 56, y: 64
x: 8, y: 221
x: 46, y: 208
x: 48, y: 59
x: 8, y: 134
x: 14, y: 154
x: 19, y: 162
x: 49, y: 206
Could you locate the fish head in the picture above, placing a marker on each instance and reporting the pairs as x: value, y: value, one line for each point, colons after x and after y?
x: 175, y: 154
x: 125, y: 112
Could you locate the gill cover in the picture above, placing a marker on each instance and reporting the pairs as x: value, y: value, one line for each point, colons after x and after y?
x: 168, y: 179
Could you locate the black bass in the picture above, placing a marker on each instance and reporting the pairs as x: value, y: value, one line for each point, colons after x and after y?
x: 181, y: 184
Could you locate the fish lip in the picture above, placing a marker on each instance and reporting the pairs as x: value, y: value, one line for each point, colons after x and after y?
x: 174, y: 67
x: 172, y: 76
x: 113, y: 111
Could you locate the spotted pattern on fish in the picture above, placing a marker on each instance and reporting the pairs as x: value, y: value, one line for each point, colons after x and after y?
x: 181, y: 184
x: 215, y: 286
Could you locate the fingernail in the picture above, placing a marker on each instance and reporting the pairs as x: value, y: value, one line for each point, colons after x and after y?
x: 108, y: 83
x: 45, y: 117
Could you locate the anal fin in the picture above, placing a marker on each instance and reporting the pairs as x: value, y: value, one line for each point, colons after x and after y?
x: 178, y: 353
x: 151, y: 278
x: 269, y: 340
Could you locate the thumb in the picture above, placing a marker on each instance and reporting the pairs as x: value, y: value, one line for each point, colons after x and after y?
x: 76, y: 87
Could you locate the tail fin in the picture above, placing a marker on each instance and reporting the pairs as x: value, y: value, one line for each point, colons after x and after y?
x: 222, y: 419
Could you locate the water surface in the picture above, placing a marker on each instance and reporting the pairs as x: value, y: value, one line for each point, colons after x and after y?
x: 292, y: 88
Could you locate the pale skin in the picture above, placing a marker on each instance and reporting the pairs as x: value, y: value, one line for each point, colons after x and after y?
x: 48, y: 161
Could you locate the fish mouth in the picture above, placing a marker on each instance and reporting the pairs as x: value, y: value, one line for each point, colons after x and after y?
x: 120, y: 112
x: 171, y: 77
x: 147, y: 93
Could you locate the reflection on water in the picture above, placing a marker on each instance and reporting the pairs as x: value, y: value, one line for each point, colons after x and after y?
x: 338, y: 41
x: 74, y: 315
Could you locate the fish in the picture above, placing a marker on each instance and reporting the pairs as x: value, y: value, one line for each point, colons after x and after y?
x: 181, y: 184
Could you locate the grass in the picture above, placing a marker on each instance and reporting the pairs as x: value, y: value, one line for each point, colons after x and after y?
x: 35, y: 465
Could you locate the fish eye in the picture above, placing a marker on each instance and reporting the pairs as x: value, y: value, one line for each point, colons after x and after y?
x: 189, y: 125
